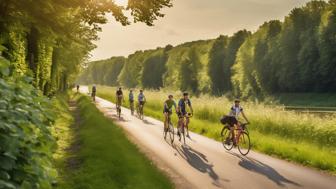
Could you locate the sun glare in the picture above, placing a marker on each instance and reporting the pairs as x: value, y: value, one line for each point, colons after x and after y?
x: 121, y: 2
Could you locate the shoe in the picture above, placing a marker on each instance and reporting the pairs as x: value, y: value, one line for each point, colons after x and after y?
x: 178, y: 133
x: 188, y: 136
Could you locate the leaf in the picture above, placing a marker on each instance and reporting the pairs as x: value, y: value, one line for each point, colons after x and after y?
x: 7, y: 185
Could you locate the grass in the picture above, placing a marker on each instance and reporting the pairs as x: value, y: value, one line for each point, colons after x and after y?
x: 108, y: 160
x: 303, y: 138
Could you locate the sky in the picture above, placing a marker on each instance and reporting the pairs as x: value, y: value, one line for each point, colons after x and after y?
x: 190, y: 20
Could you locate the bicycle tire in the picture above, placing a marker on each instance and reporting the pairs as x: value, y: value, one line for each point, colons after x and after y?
x: 119, y: 112
x: 225, y: 135
x: 171, y: 132
x: 244, y: 143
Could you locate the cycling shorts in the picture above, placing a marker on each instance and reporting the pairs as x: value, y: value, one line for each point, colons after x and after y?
x: 229, y: 120
x: 166, y: 110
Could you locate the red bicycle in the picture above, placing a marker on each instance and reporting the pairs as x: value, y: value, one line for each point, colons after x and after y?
x: 241, y: 137
x: 182, y: 123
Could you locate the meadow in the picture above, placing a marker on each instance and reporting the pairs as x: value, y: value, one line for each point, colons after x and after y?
x: 303, y: 138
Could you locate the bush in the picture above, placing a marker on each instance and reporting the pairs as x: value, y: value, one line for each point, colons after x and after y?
x: 25, y: 138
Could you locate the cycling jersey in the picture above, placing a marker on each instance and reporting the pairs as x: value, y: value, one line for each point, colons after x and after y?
x: 141, y: 97
x: 235, y: 111
x: 168, y: 106
x: 183, y: 104
x: 131, y: 97
x: 119, y: 92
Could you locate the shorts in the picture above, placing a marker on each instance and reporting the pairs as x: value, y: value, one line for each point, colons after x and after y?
x: 165, y: 110
x: 142, y: 103
x: 229, y: 120
x: 93, y: 93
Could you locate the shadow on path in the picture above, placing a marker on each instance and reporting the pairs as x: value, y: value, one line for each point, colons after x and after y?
x: 256, y: 166
x: 200, y: 162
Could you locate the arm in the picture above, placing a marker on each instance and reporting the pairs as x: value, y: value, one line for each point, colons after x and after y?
x: 191, y: 108
x: 243, y: 114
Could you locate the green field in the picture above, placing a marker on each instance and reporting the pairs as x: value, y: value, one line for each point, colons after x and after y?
x: 105, y: 158
x: 303, y: 138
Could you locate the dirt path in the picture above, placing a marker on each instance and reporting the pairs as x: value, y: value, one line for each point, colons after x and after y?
x: 204, y: 163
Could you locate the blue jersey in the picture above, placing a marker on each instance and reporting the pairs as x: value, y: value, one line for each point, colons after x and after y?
x: 182, y: 105
x: 141, y: 97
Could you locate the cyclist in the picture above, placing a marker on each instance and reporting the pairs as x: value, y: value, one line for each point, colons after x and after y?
x: 232, y: 119
x: 77, y: 88
x: 93, y: 92
x: 131, y: 101
x: 119, y: 96
x: 182, y: 111
x: 168, y: 109
x: 141, y: 99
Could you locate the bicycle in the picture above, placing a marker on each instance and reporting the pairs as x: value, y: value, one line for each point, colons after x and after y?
x: 240, y: 135
x: 182, y: 123
x: 132, y: 107
x: 170, y: 129
x: 93, y: 95
x: 119, y: 111
x: 140, y: 111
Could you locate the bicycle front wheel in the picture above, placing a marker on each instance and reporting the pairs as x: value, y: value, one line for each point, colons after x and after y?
x: 171, y: 132
x: 244, y: 144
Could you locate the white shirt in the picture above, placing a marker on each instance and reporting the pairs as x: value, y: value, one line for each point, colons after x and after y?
x: 235, y: 111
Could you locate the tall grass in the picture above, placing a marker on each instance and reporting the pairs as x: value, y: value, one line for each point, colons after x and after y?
x: 304, y: 138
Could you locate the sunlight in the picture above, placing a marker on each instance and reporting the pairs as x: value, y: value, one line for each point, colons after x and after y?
x: 121, y: 2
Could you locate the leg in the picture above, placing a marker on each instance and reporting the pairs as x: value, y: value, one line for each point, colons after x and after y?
x: 165, y: 120
x: 187, y: 124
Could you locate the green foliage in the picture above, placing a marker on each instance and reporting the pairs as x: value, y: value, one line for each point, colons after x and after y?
x: 25, y: 141
x: 221, y: 59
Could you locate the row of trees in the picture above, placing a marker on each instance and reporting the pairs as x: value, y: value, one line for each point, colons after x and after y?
x: 297, y: 55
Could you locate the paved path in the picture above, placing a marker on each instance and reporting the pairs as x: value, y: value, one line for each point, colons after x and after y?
x: 204, y: 162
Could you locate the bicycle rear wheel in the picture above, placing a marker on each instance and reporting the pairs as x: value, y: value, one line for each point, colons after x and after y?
x: 244, y: 144
x: 119, y: 112
x: 226, y: 138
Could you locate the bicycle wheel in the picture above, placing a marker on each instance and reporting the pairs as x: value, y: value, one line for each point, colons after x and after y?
x: 226, y: 138
x: 244, y: 144
x: 183, y: 133
x: 171, y: 132
x: 141, y: 113
x: 119, y: 112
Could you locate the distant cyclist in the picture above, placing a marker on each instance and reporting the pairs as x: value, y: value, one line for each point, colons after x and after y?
x: 93, y: 92
x: 141, y: 102
x: 119, y: 96
x: 131, y: 101
x: 168, y: 109
x: 77, y: 88
x: 232, y: 118
x: 182, y: 111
